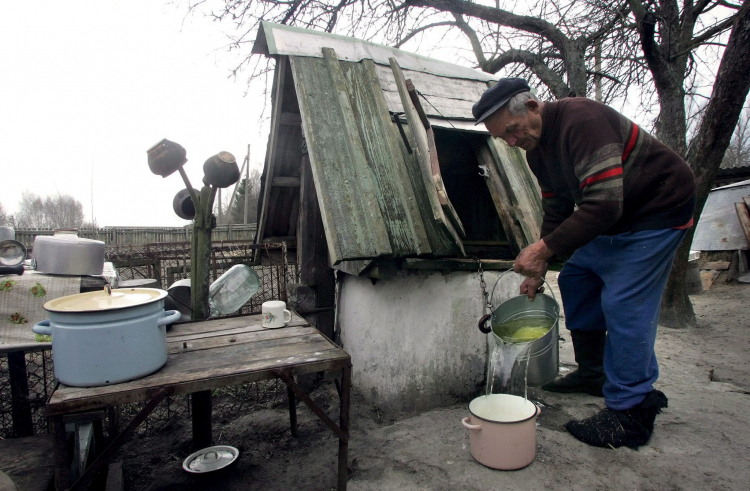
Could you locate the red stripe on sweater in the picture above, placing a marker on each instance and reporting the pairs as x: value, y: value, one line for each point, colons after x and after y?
x: 602, y: 175
x: 631, y: 143
x: 687, y: 225
x: 548, y: 195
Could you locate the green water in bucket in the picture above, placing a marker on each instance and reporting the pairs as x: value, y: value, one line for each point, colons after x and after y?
x: 523, y: 329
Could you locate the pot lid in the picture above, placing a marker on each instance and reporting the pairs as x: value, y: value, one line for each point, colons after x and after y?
x: 210, y: 459
x: 105, y: 299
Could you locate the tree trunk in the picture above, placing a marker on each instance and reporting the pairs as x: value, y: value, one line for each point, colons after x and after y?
x: 706, y: 152
x: 671, y: 126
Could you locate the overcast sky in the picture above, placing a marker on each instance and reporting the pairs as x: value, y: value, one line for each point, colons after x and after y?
x: 88, y: 86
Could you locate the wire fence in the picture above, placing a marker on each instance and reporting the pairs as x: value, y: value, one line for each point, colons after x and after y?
x: 167, y: 263
x: 143, y: 235
x: 40, y: 380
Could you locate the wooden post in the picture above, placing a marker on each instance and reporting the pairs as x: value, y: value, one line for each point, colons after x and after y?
x: 292, y: 410
x: 346, y: 381
x: 200, y: 254
x: 312, y: 251
x: 201, y: 406
x: 200, y: 271
x: 19, y: 395
x: 247, y: 183
x: 63, y: 474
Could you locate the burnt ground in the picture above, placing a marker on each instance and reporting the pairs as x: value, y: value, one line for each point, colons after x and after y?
x: 702, y: 441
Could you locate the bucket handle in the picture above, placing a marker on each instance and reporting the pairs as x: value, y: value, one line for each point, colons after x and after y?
x: 508, y: 271
x: 482, y: 325
x: 470, y: 426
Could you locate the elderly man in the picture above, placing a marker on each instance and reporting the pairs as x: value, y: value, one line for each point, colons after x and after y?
x: 620, y: 202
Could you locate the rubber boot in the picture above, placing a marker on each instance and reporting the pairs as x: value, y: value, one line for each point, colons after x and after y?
x: 589, y: 354
x: 631, y: 428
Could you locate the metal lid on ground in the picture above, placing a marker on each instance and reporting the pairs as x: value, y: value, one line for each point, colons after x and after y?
x: 210, y: 459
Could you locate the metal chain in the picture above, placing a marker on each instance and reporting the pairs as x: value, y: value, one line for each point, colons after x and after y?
x: 486, y: 300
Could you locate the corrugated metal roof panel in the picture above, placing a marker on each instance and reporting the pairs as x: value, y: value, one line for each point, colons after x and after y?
x: 719, y: 227
x: 277, y: 39
x: 735, y: 164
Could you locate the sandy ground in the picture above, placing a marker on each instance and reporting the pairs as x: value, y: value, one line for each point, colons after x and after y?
x: 701, y: 442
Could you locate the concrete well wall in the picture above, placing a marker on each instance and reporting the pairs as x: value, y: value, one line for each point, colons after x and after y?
x: 413, y: 339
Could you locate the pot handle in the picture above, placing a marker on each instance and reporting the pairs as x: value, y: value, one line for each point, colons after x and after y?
x: 171, y: 317
x: 42, y: 327
x: 470, y: 426
x: 483, y: 324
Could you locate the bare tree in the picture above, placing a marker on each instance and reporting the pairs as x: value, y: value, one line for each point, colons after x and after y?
x: 237, y: 213
x: 233, y: 209
x: 4, y: 218
x: 738, y: 153
x: 667, y: 49
x: 62, y: 211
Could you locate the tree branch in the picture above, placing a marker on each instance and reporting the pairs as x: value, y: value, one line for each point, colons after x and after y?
x: 421, y: 29
x: 603, y: 75
x: 498, y: 16
x: 712, y: 31
x: 476, y: 46
x: 536, y: 64
x: 621, y: 14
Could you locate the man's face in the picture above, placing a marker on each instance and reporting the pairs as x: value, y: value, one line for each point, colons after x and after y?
x: 521, y: 131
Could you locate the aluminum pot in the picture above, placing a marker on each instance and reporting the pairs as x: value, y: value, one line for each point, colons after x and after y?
x: 107, y: 337
x: 69, y: 255
x: 502, y: 431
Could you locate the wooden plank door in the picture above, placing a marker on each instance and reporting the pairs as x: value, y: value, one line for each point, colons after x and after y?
x: 443, y: 212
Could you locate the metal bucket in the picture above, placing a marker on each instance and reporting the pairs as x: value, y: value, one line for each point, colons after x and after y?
x: 543, y: 355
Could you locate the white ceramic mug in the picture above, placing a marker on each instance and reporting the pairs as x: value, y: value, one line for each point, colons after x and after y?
x: 275, y: 314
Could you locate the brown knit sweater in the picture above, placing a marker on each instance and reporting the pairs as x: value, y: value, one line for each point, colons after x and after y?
x: 620, y: 177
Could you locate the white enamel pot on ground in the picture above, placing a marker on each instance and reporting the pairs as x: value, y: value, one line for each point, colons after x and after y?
x: 502, y: 431
x: 107, y: 337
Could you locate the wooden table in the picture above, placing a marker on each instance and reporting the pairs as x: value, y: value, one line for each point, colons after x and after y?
x: 208, y: 355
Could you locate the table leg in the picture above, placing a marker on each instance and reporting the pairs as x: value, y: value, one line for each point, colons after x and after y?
x: 201, y: 406
x: 19, y: 395
x: 63, y: 475
x: 292, y: 410
x: 346, y: 380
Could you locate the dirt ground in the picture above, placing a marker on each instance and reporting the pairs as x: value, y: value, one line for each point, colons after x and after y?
x: 702, y: 441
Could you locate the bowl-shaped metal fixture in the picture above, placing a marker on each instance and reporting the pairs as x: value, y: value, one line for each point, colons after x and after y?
x: 166, y: 157
x: 183, y: 205
x: 221, y: 170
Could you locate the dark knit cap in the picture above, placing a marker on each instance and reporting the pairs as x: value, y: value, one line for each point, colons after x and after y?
x: 497, y: 96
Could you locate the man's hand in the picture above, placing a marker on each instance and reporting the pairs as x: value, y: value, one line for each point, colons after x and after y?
x: 531, y: 286
x: 532, y: 263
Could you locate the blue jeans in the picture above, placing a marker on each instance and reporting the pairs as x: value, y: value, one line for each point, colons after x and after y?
x: 616, y: 283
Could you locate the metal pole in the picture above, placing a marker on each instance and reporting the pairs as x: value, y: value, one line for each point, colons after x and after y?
x: 221, y: 222
x: 247, y: 182
x: 236, y: 186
